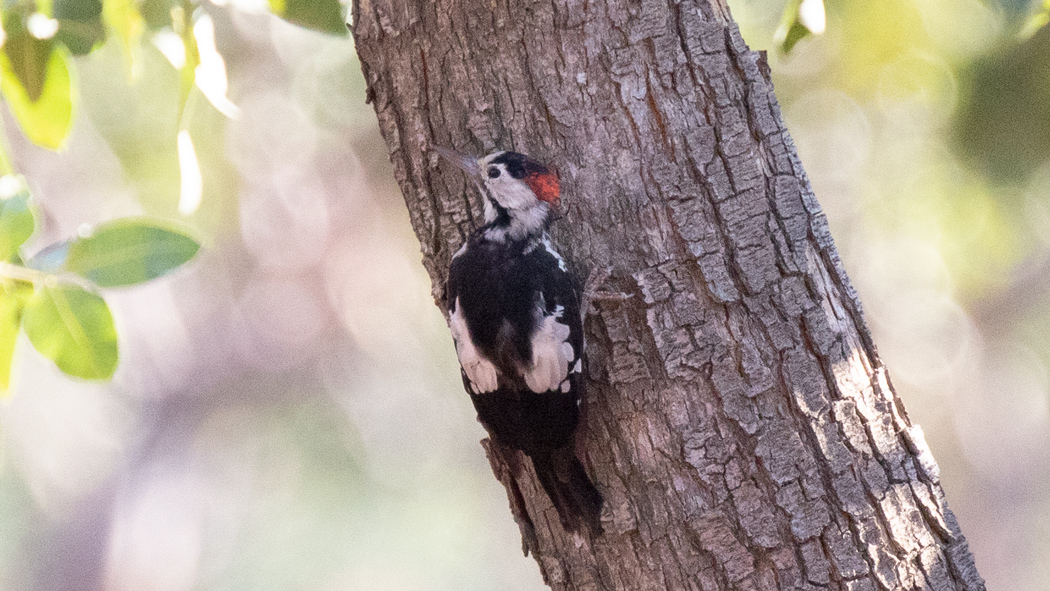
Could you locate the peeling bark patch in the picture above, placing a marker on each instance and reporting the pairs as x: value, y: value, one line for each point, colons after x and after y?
x: 715, y: 534
x: 756, y: 515
x: 845, y: 557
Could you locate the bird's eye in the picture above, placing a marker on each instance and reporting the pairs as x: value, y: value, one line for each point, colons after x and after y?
x: 494, y: 172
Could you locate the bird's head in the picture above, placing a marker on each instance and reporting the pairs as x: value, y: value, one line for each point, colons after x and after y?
x: 520, y: 193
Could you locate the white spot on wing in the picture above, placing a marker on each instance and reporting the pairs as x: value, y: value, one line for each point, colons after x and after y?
x: 551, y: 354
x: 462, y: 249
x: 554, y: 253
x: 480, y: 371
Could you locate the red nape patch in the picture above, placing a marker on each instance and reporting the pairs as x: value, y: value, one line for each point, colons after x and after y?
x: 545, y: 186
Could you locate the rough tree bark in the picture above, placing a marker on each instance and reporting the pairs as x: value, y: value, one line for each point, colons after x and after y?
x: 740, y: 423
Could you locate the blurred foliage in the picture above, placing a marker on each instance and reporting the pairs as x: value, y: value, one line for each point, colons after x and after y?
x: 27, y: 55
x: 34, y: 70
x: 320, y: 15
x: 13, y: 297
x: 80, y: 26
x: 1003, y: 125
x: 1036, y: 21
x: 801, y: 19
x: 35, y: 82
x: 16, y: 223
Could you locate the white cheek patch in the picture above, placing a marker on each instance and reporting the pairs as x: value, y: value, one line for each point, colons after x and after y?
x: 551, y: 354
x: 480, y: 371
x: 528, y: 215
x: 511, y: 193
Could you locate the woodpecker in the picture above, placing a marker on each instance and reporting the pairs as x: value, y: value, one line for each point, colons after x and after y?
x: 514, y: 312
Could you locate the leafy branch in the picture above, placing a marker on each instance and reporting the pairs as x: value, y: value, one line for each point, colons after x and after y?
x: 53, y: 296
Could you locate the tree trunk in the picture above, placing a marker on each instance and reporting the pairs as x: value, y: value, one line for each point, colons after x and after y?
x: 740, y: 423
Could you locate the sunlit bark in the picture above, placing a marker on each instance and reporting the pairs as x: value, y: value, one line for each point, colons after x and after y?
x: 741, y: 425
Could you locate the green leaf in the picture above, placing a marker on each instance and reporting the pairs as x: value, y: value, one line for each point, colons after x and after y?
x: 27, y: 55
x: 13, y: 297
x: 73, y: 328
x: 1036, y: 21
x: 188, y: 75
x: 325, y: 16
x: 80, y: 25
x: 125, y: 21
x: 801, y: 19
x: 47, y: 119
x: 129, y: 251
x: 80, y: 37
x: 16, y: 224
x: 159, y: 14
x: 795, y: 33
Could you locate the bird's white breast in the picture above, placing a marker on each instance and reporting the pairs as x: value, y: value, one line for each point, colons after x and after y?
x: 481, y: 372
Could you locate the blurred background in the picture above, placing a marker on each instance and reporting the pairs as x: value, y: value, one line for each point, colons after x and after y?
x: 288, y: 414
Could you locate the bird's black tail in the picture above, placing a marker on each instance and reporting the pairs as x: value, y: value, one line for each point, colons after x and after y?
x: 563, y: 478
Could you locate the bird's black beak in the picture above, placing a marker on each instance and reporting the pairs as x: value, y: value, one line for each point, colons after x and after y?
x: 469, y: 164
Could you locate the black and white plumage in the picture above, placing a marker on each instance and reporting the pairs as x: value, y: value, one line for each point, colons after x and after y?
x: 514, y: 313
